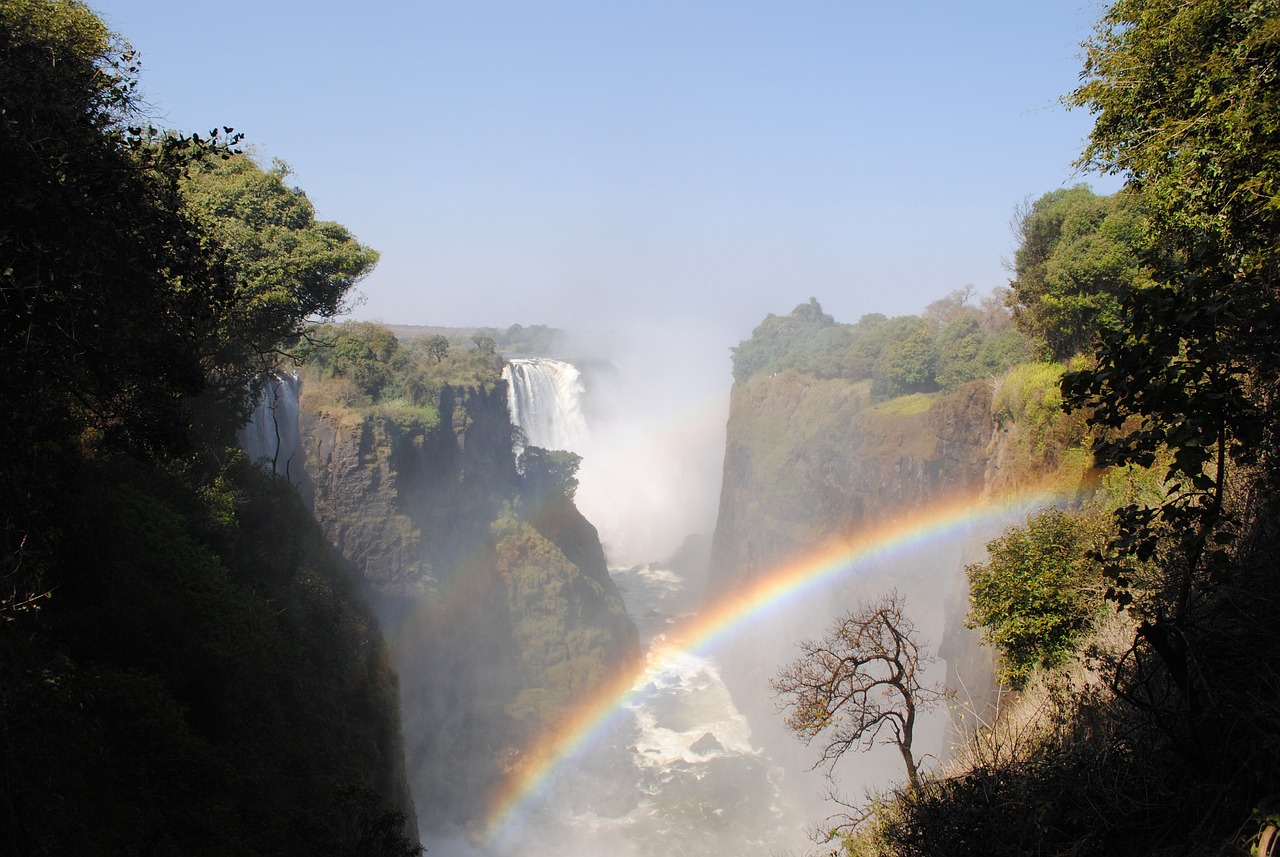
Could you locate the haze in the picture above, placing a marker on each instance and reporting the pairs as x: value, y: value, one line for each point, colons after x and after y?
x: 656, y: 174
x: 581, y: 164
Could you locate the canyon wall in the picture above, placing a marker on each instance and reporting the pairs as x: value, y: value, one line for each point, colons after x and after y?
x: 809, y: 460
x: 495, y: 598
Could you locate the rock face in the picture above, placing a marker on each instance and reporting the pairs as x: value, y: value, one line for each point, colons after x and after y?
x: 809, y: 460
x: 497, y: 605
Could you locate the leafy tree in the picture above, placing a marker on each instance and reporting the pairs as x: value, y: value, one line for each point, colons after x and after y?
x: 959, y: 347
x: 282, y: 269
x: 1037, y: 594
x: 807, y: 338
x: 363, y: 352
x: 95, y: 246
x: 1186, y: 107
x: 183, y: 667
x: 953, y: 343
x: 549, y: 473
x: 909, y: 360
x: 1077, y: 259
x: 437, y: 346
x: 861, y: 685
x: 870, y: 335
x: 973, y: 342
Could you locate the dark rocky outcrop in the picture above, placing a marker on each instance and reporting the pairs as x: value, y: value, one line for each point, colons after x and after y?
x: 497, y: 605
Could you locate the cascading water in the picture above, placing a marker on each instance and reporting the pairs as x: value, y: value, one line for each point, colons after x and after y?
x: 678, y: 772
x: 271, y: 435
x: 545, y: 399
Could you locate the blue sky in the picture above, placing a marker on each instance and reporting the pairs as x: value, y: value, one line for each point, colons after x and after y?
x: 603, y: 164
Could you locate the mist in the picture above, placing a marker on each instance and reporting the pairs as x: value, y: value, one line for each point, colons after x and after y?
x: 702, y: 763
x: 657, y: 398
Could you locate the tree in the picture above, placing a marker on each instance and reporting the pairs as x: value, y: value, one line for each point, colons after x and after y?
x: 1037, y: 594
x: 100, y: 290
x: 549, y: 473
x: 437, y: 346
x: 909, y: 360
x: 281, y: 269
x: 1077, y: 258
x: 806, y: 338
x: 175, y: 639
x: 1185, y: 100
x: 861, y: 685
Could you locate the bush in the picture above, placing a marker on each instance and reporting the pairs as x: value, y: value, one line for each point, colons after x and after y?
x: 1037, y: 594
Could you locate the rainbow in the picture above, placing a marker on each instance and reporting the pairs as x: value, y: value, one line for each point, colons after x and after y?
x: 526, y: 781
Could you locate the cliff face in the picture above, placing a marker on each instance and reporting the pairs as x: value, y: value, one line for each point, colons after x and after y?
x: 811, y: 460
x: 497, y: 605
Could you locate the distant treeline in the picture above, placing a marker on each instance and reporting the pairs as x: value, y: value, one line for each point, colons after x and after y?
x: 953, y: 342
x: 1077, y: 259
x: 534, y: 340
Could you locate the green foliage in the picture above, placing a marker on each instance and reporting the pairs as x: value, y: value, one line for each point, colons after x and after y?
x: 1030, y: 395
x: 1184, y: 98
x: 907, y: 406
x: 549, y: 473
x: 281, y: 268
x: 183, y: 667
x: 564, y: 653
x: 363, y: 369
x: 968, y: 352
x: 954, y: 343
x: 1113, y: 764
x: 908, y: 360
x: 95, y: 247
x: 1171, y: 749
x: 1039, y: 440
x: 808, y: 339
x: 1037, y: 594
x: 1078, y: 258
x: 218, y: 674
x: 437, y: 346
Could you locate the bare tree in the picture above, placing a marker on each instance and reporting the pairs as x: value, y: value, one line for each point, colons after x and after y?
x: 860, y: 685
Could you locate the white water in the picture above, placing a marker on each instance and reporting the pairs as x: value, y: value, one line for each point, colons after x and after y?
x: 652, y: 440
x: 545, y: 399
x: 678, y: 773
x: 271, y: 435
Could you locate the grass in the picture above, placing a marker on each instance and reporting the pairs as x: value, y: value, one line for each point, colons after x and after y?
x: 910, y: 405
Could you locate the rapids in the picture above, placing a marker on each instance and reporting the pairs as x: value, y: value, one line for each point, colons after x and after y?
x: 677, y: 773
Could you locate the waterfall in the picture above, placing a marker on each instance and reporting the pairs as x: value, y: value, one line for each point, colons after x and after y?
x: 271, y: 435
x: 545, y: 399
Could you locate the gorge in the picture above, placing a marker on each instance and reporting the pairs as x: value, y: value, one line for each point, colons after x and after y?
x: 503, y: 621
x: 397, y: 610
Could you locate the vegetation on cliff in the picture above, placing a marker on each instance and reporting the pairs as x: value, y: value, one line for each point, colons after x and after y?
x: 953, y: 343
x: 1140, y: 628
x: 498, y: 586
x: 1077, y: 258
x: 183, y: 667
x: 833, y: 426
x: 364, y: 370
